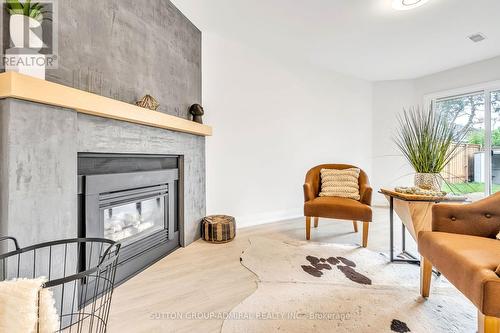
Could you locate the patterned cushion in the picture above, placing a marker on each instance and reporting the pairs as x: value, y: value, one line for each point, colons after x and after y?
x: 340, y: 183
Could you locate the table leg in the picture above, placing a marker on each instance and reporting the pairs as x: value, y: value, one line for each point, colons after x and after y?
x: 403, y: 236
x: 409, y: 258
x: 391, y: 221
x: 404, y: 257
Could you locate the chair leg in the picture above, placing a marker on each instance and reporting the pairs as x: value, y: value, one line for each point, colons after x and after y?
x: 487, y: 324
x: 355, y: 225
x: 425, y: 277
x: 316, y: 220
x: 308, y: 228
x: 366, y: 225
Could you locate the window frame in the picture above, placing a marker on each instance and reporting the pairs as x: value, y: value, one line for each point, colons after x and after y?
x: 487, y: 88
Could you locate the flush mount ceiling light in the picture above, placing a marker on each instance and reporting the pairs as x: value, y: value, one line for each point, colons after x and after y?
x: 407, y: 4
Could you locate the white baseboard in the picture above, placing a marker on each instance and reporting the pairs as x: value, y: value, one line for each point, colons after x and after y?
x: 271, y: 217
x: 268, y: 217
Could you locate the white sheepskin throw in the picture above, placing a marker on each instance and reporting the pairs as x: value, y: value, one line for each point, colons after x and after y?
x: 19, y: 311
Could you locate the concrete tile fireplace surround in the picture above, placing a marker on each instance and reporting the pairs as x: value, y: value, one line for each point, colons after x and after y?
x: 41, y: 140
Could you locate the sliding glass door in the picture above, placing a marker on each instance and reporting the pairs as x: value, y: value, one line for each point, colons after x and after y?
x: 464, y: 174
x: 495, y: 141
x: 475, y: 170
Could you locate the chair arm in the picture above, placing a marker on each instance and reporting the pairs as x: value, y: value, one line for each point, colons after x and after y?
x: 308, y: 192
x: 481, y: 218
x: 365, y: 193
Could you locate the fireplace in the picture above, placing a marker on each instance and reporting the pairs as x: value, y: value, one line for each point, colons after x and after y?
x: 134, y: 200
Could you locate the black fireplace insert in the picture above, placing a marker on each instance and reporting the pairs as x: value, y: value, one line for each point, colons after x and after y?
x: 134, y: 200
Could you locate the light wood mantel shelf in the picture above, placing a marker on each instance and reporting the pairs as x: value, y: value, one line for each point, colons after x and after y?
x: 28, y: 88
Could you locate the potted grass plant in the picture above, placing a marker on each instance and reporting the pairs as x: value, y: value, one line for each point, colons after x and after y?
x: 428, y: 141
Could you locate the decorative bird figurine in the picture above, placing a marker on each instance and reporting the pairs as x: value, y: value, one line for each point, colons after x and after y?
x: 148, y: 102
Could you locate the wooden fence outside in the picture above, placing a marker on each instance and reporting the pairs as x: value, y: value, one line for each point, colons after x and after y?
x: 461, y: 167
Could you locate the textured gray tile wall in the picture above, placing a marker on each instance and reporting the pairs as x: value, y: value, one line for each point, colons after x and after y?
x: 38, y: 187
x: 125, y: 49
x: 38, y: 168
x: 121, y: 49
x: 4, y: 173
x: 100, y: 135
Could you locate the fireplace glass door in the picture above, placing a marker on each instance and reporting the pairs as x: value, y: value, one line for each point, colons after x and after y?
x: 134, y: 214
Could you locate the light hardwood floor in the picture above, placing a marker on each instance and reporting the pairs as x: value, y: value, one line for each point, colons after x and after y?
x: 208, y: 278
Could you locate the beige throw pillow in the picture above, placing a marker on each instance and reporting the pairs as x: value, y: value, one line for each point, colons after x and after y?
x: 340, y: 183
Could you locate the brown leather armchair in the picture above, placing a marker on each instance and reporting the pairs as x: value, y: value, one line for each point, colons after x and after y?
x: 334, y: 207
x: 463, y: 247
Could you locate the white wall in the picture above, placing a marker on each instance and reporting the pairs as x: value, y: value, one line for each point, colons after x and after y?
x: 479, y: 72
x: 272, y: 121
x: 389, y: 98
x: 389, y: 167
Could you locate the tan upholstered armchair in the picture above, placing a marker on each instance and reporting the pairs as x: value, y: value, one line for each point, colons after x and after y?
x: 462, y: 246
x: 334, y: 207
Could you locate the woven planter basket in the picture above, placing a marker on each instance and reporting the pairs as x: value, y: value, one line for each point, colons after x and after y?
x: 219, y: 228
x: 429, y: 181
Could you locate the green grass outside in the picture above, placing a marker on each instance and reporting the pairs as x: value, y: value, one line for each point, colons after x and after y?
x: 464, y: 188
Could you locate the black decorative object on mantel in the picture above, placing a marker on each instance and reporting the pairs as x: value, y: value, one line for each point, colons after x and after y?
x: 197, y: 111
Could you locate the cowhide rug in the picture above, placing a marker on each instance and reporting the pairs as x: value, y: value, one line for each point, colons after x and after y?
x: 311, y: 287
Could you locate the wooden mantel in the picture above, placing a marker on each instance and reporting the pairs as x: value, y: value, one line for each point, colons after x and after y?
x: 28, y: 88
